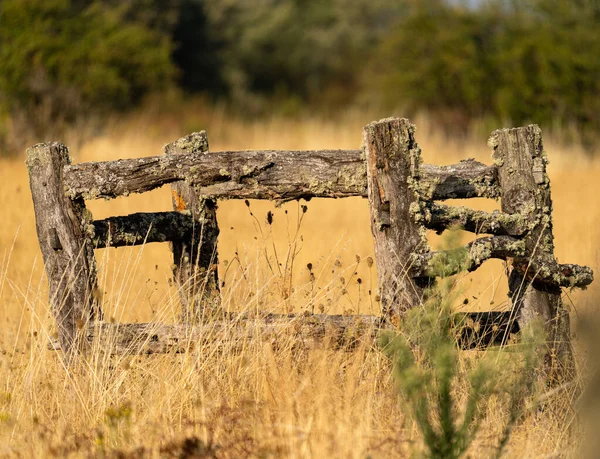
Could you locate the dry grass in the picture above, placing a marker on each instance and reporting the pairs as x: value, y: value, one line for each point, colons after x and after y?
x: 256, y: 402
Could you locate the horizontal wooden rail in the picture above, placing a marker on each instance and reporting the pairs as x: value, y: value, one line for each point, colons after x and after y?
x: 467, y: 179
x: 472, y: 256
x: 469, y: 258
x: 142, y: 228
x: 311, y: 331
x: 243, y: 174
x: 268, y: 174
x: 439, y: 217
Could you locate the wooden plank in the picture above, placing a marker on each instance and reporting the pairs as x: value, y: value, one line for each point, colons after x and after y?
x: 471, y: 256
x: 467, y: 179
x: 392, y: 157
x: 440, y: 217
x: 68, y: 254
x: 195, y: 258
x: 468, y: 258
x: 311, y: 331
x: 268, y: 174
x: 142, y: 228
x: 475, y: 330
x: 525, y: 186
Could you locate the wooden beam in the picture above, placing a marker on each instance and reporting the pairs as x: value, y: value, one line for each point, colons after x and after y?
x: 310, y: 331
x: 392, y: 157
x: 440, y: 217
x: 141, y: 228
x: 475, y: 330
x: 269, y: 174
x: 468, y: 258
x: 467, y: 179
x: 67, y: 251
x: 522, y: 175
x: 195, y: 258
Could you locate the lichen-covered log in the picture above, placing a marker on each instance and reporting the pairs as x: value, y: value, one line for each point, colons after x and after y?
x: 310, y: 331
x: 521, y: 163
x: 269, y: 174
x: 266, y: 174
x: 467, y: 179
x: 393, y: 157
x: 195, y: 257
x: 68, y: 254
x: 471, y: 256
x: 474, y: 330
x: 468, y: 258
x: 439, y: 217
x: 141, y: 228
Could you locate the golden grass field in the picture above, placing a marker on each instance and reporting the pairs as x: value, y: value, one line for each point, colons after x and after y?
x: 257, y: 402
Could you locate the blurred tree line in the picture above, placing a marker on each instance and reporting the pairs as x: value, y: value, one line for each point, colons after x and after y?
x: 509, y: 61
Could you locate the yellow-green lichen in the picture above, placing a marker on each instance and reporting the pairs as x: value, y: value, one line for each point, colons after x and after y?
x: 195, y: 142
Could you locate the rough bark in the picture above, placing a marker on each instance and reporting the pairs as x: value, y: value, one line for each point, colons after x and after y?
x: 471, y: 256
x: 309, y: 331
x: 242, y: 174
x: 141, y: 228
x: 68, y: 254
x: 195, y: 258
x: 521, y: 163
x: 393, y: 157
x: 474, y: 330
x: 467, y: 179
x: 440, y: 217
x: 468, y: 258
x: 270, y: 174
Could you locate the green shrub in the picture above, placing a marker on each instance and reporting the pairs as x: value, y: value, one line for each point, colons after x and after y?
x: 518, y: 62
x: 62, y: 59
x: 447, y: 393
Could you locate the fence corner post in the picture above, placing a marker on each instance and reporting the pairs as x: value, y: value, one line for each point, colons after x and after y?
x: 66, y: 249
x: 392, y: 156
x: 521, y: 161
x: 196, y: 258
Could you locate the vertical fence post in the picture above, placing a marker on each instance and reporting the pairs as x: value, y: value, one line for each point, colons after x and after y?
x: 195, y: 258
x: 392, y: 158
x: 67, y: 251
x: 521, y: 163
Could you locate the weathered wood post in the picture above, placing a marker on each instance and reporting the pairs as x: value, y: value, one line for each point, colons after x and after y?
x: 62, y: 224
x: 393, y: 158
x: 195, y: 257
x: 521, y: 162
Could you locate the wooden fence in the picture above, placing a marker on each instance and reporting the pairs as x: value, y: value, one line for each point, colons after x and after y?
x: 405, y: 200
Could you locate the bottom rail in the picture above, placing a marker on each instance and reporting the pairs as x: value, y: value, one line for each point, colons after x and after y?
x: 309, y: 331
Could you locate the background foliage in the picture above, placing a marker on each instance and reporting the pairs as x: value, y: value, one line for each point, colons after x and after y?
x: 500, y: 60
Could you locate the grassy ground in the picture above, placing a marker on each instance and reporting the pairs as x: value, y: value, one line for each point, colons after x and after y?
x: 258, y: 401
